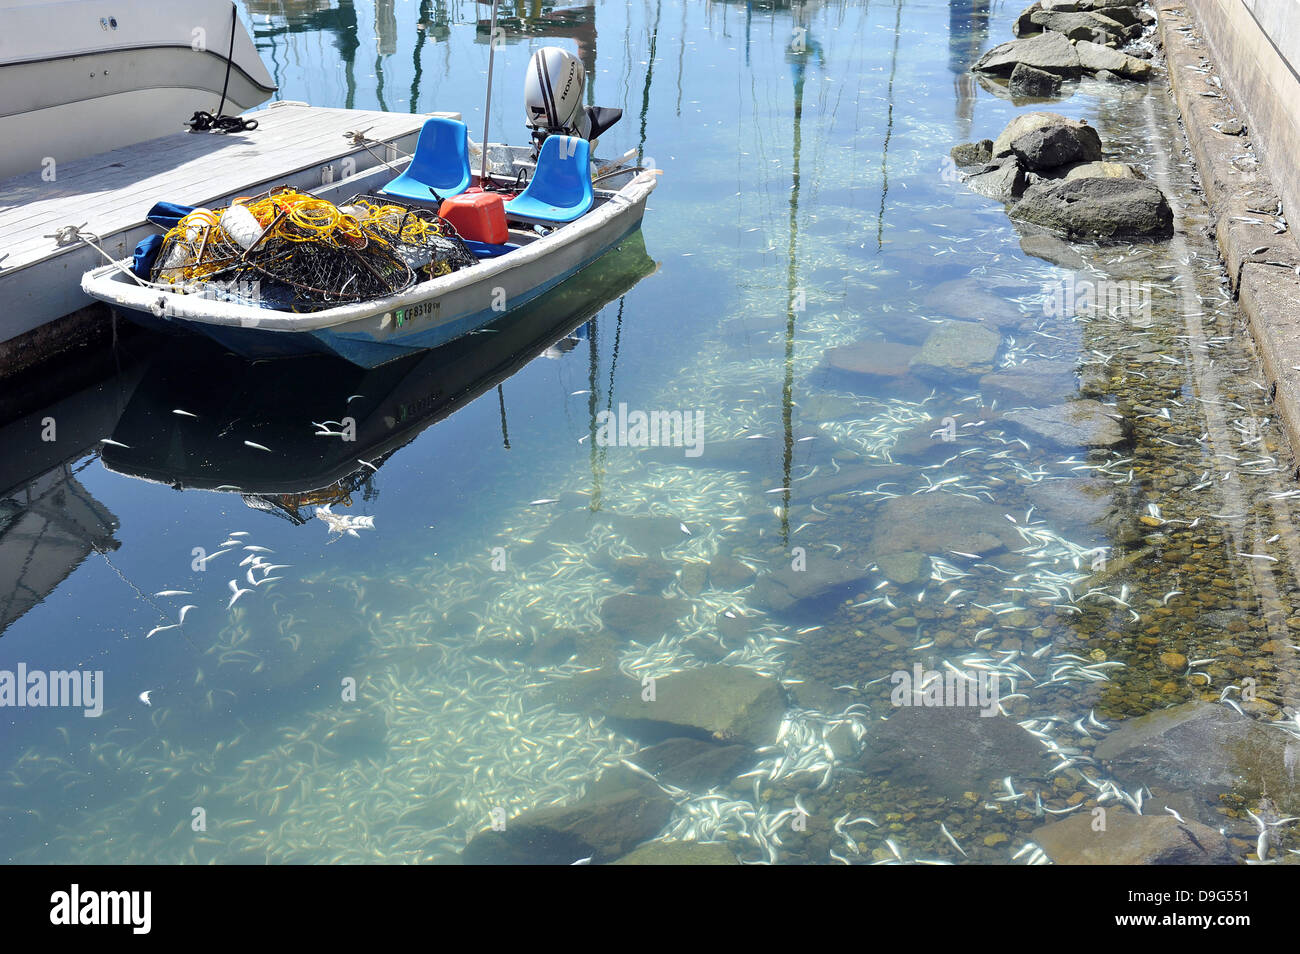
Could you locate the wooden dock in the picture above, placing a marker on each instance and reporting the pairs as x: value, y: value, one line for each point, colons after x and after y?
x: 109, y: 195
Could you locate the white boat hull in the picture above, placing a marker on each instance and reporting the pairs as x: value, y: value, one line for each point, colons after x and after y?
x: 369, y: 334
x: 81, y: 77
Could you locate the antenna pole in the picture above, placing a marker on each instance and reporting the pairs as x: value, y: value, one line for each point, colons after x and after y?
x: 487, y: 106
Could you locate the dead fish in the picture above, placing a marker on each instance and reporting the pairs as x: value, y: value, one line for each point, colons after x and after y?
x: 255, y: 446
x: 183, y: 413
x: 543, y: 500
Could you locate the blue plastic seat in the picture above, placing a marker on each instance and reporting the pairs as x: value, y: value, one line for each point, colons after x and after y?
x: 560, y: 189
x: 440, y: 164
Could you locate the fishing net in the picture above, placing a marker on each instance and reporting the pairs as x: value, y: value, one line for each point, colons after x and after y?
x: 291, y: 251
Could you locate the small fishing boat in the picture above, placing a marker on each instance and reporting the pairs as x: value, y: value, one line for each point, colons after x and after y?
x: 565, y: 210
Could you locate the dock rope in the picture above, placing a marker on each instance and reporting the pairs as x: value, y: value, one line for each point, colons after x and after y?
x: 204, y: 121
x: 73, y: 234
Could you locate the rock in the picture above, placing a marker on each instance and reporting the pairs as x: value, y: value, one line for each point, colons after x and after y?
x: 951, y: 749
x: 1074, y: 424
x: 726, y: 573
x: 1207, y: 750
x: 640, y: 616
x: 1231, y: 127
x: 972, y: 153
x: 694, y: 764
x: 1057, y: 144
x: 653, y: 534
x: 621, y: 811
x: 1024, y: 25
x: 1104, y: 170
x: 849, y: 477
x: 1094, y: 57
x: 956, y: 350
x: 904, y: 568
x: 937, y: 523
x: 1075, y: 503
x: 965, y: 299
x: 922, y: 445
x: 1126, y: 12
x: 1027, y: 122
x: 679, y: 853
x: 1033, y: 384
x: 1002, y: 179
x: 693, y: 578
x: 787, y: 589
x: 1106, y: 76
x: 725, y: 703
x: 1050, y: 248
x: 903, y: 328
x: 1046, y: 51
x: 1031, y: 82
x: 826, y: 407
x: 1103, y: 209
x: 876, y: 365
x: 1081, y: 26
x: 1130, y: 839
x: 643, y: 573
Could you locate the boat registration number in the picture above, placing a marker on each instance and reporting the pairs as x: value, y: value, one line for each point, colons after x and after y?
x: 420, y: 310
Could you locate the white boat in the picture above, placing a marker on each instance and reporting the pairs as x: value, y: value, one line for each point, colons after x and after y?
x: 426, y: 315
x: 600, y: 203
x: 112, y: 73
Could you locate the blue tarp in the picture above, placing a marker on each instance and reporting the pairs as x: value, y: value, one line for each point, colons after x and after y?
x: 487, y: 249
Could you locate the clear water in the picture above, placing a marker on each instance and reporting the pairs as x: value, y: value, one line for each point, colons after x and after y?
x: 806, y: 203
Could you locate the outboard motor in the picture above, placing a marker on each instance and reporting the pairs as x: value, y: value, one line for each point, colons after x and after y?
x: 553, y: 99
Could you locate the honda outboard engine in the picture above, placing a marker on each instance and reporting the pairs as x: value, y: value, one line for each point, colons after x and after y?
x: 553, y: 99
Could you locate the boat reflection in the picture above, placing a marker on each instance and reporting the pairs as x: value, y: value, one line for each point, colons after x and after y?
x: 208, y: 420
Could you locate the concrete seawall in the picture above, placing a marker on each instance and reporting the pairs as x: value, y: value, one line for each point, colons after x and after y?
x: 1244, y: 179
x: 1255, y: 46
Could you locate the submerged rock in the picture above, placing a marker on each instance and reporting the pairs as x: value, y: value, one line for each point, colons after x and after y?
x: 966, y: 299
x: 951, y: 749
x: 1207, y: 750
x: 679, y: 853
x: 1130, y: 839
x: 725, y: 703
x: 1075, y: 503
x: 728, y: 573
x: 1046, y: 51
x: 786, y: 589
x: 619, y: 812
x: 1083, y: 423
x: 904, y: 568
x: 876, y: 365
x: 937, y: 523
x: 694, y: 764
x: 640, y: 616
x: 1029, y: 81
x: 1103, y: 209
x: 1035, y: 383
x: 1052, y: 248
x: 956, y: 350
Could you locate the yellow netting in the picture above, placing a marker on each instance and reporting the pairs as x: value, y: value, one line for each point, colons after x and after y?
x: 310, y: 252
